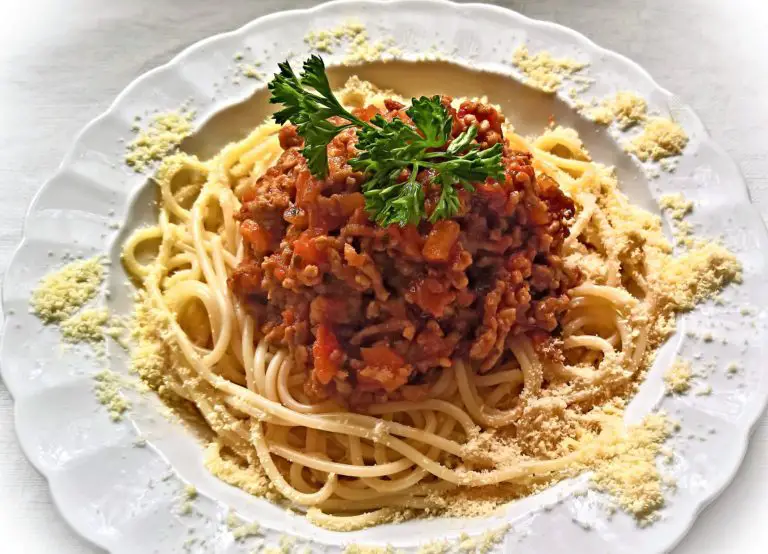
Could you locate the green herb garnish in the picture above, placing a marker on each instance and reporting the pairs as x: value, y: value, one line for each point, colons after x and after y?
x: 386, y: 148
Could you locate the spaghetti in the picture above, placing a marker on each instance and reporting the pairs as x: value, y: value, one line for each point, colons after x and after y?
x: 495, y: 435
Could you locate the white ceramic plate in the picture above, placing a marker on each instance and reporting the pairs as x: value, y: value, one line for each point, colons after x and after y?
x: 128, y: 498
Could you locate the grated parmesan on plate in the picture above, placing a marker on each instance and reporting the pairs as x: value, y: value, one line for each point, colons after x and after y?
x: 678, y: 376
x: 107, y: 389
x: 625, y: 108
x: 359, y: 48
x: 163, y: 135
x: 85, y: 326
x: 543, y: 71
x: 61, y: 293
x: 627, y: 468
x: 676, y: 204
x: 660, y: 138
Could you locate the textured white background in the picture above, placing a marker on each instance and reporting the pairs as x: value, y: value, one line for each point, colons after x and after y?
x: 62, y: 63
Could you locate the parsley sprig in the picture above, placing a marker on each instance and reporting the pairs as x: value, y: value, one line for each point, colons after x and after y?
x: 386, y: 148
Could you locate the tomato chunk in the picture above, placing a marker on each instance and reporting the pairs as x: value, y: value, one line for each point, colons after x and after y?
x: 382, y: 356
x: 407, y: 238
x: 307, y: 189
x: 430, y: 295
x: 374, y: 378
x: 367, y: 113
x: 256, y: 235
x: 306, y: 247
x: 384, y: 369
x: 326, y: 365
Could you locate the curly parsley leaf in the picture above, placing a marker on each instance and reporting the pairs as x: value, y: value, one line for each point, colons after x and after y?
x: 387, y: 150
x: 309, y: 110
x: 395, y: 203
x: 385, y: 145
x: 432, y: 119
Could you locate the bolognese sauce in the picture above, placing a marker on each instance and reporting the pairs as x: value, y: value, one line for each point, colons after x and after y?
x: 374, y: 313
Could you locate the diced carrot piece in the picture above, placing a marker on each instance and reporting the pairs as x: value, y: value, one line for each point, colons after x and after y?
x: 441, y: 240
x: 325, y: 345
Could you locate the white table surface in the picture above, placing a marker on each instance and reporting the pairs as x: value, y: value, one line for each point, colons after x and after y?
x: 63, y: 61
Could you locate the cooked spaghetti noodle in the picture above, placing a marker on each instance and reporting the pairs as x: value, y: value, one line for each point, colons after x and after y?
x: 500, y: 433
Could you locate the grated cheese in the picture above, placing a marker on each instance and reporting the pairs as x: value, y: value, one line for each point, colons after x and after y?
x: 252, y: 479
x: 660, y: 138
x: 107, y: 390
x: 627, y: 470
x: 360, y: 48
x: 543, y: 71
x: 625, y: 108
x: 249, y: 71
x: 677, y: 206
x: 484, y: 543
x: 434, y: 547
x: 163, y: 135
x: 696, y: 275
x: 246, y: 530
x: 678, y: 376
x: 85, y: 326
x: 61, y: 293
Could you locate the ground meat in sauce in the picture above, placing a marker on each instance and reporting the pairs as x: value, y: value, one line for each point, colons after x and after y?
x: 367, y: 310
